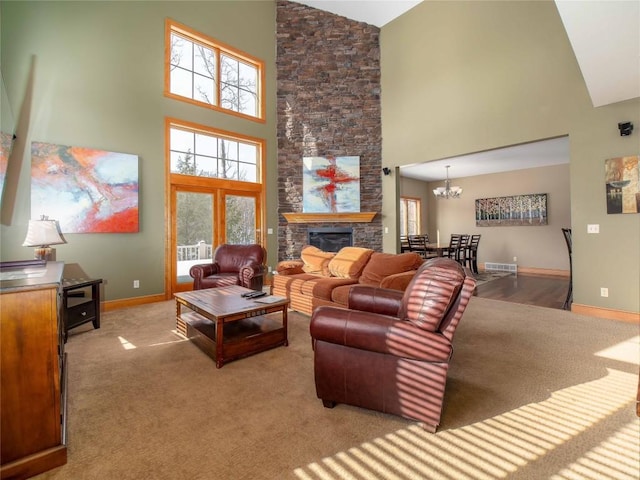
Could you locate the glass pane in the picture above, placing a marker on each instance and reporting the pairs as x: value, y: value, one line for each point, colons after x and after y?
x: 229, y: 97
x: 181, y: 140
x: 181, y: 52
x: 194, y: 231
x: 206, y: 145
x: 181, y: 82
x: 247, y: 153
x: 247, y: 172
x: 230, y: 169
x: 182, y: 163
x: 228, y: 149
x: 203, y: 89
x: 206, y: 166
x: 229, y: 70
x: 248, y: 103
x: 248, y: 77
x: 204, y: 61
x: 240, y: 219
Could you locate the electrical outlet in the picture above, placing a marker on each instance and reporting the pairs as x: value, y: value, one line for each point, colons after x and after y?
x: 604, y: 292
x: 136, y: 284
x: 593, y: 228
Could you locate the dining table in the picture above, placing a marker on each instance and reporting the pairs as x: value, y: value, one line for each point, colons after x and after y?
x: 440, y: 249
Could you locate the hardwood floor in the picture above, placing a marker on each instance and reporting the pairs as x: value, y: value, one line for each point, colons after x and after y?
x: 539, y: 290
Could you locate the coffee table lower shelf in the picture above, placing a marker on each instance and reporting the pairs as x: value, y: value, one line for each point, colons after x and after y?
x: 241, y: 338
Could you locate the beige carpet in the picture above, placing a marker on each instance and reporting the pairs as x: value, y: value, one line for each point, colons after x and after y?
x: 533, y: 393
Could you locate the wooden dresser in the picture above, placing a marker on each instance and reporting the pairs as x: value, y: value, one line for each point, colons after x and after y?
x: 32, y: 371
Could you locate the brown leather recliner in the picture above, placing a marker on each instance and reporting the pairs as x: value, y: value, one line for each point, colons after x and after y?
x: 232, y: 265
x: 390, y: 352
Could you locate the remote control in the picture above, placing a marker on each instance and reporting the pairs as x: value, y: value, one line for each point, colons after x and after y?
x: 256, y: 294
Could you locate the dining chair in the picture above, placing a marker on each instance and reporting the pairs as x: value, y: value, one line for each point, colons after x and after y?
x: 457, y: 247
x: 404, y: 244
x: 472, y: 253
x: 454, y: 243
x: 417, y: 244
x: 567, y: 238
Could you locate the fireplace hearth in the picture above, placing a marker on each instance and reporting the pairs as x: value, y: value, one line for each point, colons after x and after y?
x: 330, y: 239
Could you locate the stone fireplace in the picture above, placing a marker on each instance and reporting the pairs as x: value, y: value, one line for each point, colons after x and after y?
x: 329, y: 103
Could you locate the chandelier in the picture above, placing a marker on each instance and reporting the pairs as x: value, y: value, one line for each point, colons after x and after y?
x: 447, y: 191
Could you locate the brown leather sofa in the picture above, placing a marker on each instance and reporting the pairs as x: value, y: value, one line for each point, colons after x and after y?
x: 390, y: 351
x: 325, y: 278
x: 231, y: 265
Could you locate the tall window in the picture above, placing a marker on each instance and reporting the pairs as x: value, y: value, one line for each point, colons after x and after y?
x: 410, y: 211
x: 215, y: 192
x: 201, y: 70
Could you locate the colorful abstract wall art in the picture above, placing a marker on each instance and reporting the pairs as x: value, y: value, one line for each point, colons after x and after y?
x: 517, y: 210
x: 331, y: 184
x: 6, y: 142
x: 86, y: 190
x: 622, y: 179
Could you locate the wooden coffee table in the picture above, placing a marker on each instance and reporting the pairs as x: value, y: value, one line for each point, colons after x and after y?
x: 227, y: 326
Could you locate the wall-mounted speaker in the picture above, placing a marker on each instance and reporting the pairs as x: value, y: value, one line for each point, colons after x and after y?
x: 625, y: 128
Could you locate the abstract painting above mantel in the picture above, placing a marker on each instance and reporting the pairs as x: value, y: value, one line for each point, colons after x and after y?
x: 622, y: 178
x: 86, y: 190
x: 516, y: 210
x: 331, y: 184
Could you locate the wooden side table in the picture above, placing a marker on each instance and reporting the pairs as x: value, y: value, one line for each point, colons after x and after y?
x: 78, y: 309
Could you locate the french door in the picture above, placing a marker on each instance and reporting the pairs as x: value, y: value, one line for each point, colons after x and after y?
x: 203, y: 218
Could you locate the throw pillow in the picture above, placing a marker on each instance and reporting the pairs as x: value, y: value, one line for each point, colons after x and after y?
x: 349, y: 262
x: 315, y: 260
x: 381, y: 265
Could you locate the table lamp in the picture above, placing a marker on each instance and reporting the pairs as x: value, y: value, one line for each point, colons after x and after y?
x: 42, y: 234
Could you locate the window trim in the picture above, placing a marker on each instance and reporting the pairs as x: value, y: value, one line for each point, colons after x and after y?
x: 217, y: 132
x: 220, y: 186
x: 218, y: 47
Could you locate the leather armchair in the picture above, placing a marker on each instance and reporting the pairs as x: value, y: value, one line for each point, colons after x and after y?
x: 390, y: 351
x: 232, y: 265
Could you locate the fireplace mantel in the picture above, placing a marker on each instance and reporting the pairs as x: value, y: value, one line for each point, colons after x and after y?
x: 341, y: 217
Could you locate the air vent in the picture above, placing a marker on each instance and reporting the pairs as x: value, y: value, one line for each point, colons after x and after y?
x: 501, y: 267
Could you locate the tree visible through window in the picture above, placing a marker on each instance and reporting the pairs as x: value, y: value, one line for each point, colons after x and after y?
x: 208, y: 73
x: 410, y: 212
x: 207, y: 154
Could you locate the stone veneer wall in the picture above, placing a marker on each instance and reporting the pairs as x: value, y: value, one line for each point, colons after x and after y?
x: 328, y: 104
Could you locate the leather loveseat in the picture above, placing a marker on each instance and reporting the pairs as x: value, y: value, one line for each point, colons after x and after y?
x: 390, y: 351
x: 325, y: 278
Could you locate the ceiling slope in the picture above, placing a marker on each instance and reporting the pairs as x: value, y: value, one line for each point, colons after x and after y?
x: 605, y: 36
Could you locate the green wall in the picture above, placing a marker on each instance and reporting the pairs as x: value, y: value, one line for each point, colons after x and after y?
x: 91, y: 74
x: 463, y: 77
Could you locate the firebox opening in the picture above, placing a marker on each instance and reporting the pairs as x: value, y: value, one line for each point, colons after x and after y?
x: 330, y: 239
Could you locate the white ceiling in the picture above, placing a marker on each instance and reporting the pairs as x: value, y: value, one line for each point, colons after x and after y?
x: 605, y: 37
x: 529, y: 155
x: 373, y: 12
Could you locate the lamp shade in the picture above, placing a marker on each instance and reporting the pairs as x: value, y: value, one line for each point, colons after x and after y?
x: 42, y: 233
